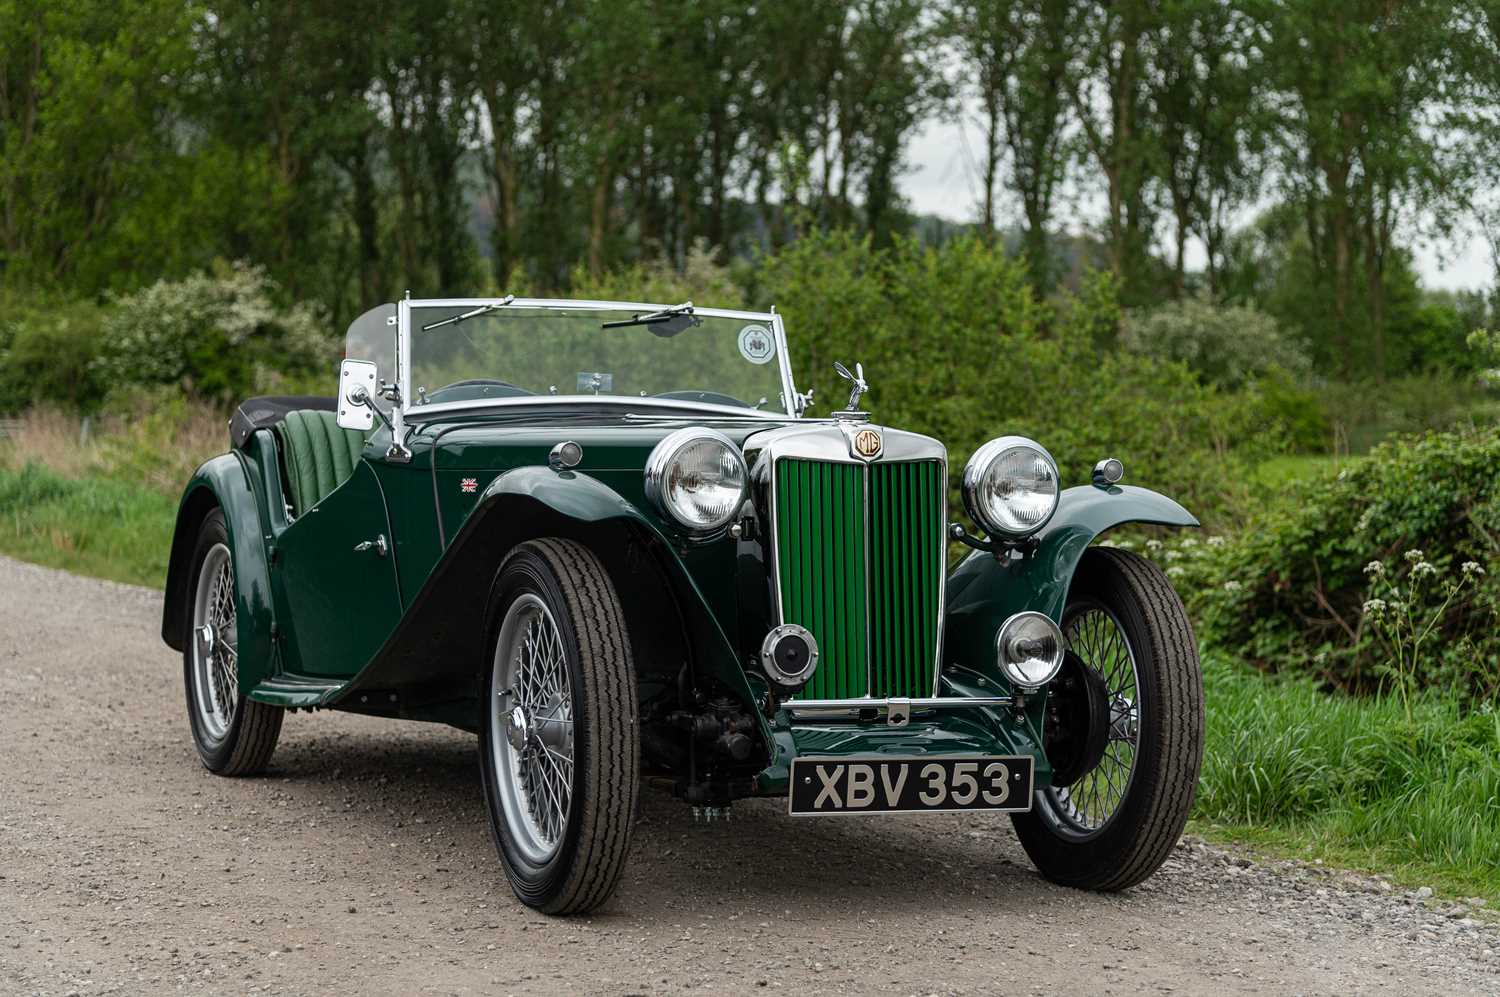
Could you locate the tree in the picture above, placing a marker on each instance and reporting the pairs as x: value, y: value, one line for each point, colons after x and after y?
x: 1107, y: 88
x: 1206, y: 107
x: 1014, y: 63
x: 1367, y: 141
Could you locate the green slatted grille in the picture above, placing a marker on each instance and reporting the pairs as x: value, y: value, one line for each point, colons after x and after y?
x: 865, y: 585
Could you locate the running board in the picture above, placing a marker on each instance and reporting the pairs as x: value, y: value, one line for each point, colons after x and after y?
x: 296, y: 691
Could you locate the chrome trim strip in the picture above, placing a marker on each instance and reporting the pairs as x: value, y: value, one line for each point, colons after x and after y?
x: 942, y: 599
x: 707, y: 410
x: 864, y: 477
x: 822, y: 706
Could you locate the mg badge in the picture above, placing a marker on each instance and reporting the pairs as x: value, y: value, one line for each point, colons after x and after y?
x: 867, y: 443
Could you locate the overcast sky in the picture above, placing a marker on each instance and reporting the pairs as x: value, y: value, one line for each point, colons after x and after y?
x: 941, y: 181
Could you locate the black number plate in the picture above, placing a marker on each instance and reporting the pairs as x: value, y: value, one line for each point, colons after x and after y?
x: 881, y: 785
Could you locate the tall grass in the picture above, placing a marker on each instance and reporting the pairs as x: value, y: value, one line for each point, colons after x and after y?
x: 92, y: 526
x: 103, y: 503
x: 152, y: 441
x: 1346, y: 776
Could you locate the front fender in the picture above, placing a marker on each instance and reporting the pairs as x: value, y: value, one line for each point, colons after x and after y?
x: 226, y: 482
x: 984, y: 590
x: 438, y: 645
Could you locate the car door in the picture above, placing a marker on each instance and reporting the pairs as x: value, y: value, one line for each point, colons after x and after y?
x: 337, y: 569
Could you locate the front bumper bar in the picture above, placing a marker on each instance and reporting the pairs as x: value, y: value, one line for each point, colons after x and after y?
x: 896, y: 710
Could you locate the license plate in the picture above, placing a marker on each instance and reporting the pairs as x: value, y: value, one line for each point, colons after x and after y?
x: 881, y: 785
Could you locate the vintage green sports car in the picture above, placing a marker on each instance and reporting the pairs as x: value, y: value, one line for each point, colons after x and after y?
x: 605, y: 537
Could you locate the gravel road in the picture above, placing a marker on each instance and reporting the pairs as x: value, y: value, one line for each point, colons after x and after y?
x: 362, y: 864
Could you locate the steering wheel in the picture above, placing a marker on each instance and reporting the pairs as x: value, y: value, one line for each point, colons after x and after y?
x: 709, y: 397
x: 476, y: 387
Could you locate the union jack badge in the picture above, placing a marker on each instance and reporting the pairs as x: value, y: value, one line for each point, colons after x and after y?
x: 468, y: 485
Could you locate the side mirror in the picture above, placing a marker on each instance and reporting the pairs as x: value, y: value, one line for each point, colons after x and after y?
x: 356, y: 395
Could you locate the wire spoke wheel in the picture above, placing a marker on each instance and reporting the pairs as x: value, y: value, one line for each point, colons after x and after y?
x: 234, y: 734
x: 215, y: 654
x: 532, y: 728
x: 1112, y: 826
x: 559, y: 752
x: 1095, y: 634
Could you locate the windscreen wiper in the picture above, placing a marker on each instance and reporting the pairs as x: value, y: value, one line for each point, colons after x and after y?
x: 471, y: 313
x: 652, y: 318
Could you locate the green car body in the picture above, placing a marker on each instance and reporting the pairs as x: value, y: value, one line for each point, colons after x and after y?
x: 656, y: 574
x: 321, y: 625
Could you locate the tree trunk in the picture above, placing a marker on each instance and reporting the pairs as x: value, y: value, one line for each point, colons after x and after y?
x: 599, y: 214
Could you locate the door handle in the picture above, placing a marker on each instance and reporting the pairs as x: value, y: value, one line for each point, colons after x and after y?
x: 378, y: 545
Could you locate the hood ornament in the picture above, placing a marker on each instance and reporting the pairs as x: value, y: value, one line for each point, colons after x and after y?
x: 858, y: 385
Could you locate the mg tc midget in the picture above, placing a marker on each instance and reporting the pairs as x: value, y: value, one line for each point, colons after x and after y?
x: 607, y: 538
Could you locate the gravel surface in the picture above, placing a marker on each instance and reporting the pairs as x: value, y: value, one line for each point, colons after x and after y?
x: 362, y: 864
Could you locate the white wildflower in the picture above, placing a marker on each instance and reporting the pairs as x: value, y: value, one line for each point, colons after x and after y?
x: 1232, y: 586
x: 1423, y: 569
x: 1364, y: 521
x: 1216, y: 541
x: 1176, y: 571
x: 1375, y: 569
x: 1173, y: 555
x: 1471, y: 569
x: 1413, y: 556
x: 1153, y: 545
x: 1374, y: 607
x: 1188, y: 542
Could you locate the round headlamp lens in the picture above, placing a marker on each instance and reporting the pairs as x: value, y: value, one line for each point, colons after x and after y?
x: 698, y: 479
x: 1029, y: 648
x: 1011, y: 487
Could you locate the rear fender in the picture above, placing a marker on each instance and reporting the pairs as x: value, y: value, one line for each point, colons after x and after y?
x: 984, y: 590
x: 438, y: 649
x: 228, y: 482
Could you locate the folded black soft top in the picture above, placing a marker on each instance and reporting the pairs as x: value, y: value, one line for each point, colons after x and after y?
x: 267, y: 410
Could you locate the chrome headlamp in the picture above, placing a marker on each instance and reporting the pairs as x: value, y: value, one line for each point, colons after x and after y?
x: 1010, y: 486
x: 698, y: 478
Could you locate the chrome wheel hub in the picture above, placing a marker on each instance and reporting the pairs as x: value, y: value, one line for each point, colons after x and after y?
x: 531, y: 729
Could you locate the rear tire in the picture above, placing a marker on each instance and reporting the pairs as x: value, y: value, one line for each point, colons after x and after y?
x: 234, y: 735
x: 1112, y: 828
x: 559, y: 748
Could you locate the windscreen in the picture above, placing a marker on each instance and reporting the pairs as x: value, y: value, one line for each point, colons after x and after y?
x: 516, y: 352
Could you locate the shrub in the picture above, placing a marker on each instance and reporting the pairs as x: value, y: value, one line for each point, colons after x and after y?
x: 1227, y: 346
x: 218, y: 336
x: 1291, y: 592
x: 956, y: 345
x: 47, y: 348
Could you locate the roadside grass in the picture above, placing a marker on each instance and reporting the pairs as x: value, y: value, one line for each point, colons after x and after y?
x: 92, y: 526
x: 1349, y: 781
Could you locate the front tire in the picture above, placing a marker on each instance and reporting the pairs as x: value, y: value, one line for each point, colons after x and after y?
x: 1115, y: 825
x: 559, y: 750
x: 233, y: 735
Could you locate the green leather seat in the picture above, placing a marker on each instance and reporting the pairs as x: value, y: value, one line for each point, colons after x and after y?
x: 319, y: 455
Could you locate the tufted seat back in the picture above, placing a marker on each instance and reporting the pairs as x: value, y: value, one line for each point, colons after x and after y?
x: 319, y: 455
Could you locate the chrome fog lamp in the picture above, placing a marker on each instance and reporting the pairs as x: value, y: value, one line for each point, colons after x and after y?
x: 1029, y: 649
x: 1010, y: 486
x: 789, y: 655
x: 698, y: 478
